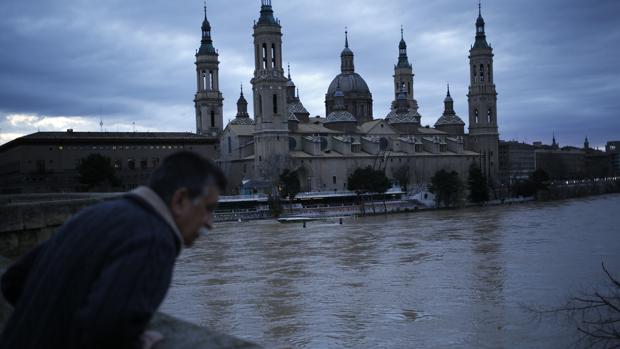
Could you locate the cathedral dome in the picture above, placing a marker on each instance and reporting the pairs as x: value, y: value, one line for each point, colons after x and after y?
x: 349, y: 82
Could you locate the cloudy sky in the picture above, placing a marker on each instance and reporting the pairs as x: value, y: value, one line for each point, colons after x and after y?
x: 68, y: 63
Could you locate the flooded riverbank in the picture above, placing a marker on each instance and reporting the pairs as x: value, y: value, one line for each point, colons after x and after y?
x: 431, y: 279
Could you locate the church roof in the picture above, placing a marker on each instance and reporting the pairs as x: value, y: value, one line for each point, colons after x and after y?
x: 313, y: 128
x: 242, y: 121
x: 292, y: 117
x: 340, y: 116
x: 410, y: 117
x: 296, y: 107
x: 429, y: 131
x: 242, y: 130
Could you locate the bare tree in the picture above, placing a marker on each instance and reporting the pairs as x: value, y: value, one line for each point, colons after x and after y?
x: 595, y: 315
x: 271, y: 167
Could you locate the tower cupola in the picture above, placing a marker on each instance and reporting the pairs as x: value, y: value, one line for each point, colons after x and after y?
x: 347, y: 65
x: 266, y: 15
x: 206, y: 44
x: 481, y: 38
x: 242, y: 105
x: 403, y: 59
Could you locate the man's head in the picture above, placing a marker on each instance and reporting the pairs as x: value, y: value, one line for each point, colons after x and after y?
x: 190, y: 185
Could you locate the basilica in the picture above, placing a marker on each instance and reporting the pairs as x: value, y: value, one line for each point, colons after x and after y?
x: 324, y: 151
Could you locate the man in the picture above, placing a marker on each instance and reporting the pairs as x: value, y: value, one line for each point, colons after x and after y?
x: 97, y: 282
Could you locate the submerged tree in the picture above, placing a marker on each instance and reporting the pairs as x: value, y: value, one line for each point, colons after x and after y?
x: 289, y: 185
x: 447, y: 187
x: 477, y: 185
x: 96, y: 172
x: 401, y: 175
x: 368, y: 180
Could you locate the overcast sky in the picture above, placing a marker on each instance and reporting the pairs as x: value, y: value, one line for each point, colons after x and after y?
x: 68, y: 63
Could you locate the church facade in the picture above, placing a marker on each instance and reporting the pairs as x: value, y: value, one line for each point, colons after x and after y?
x: 326, y: 150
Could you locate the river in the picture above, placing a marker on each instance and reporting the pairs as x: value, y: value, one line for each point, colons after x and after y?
x: 435, y: 279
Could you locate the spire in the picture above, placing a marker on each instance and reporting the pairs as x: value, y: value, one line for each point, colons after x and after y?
x: 554, y: 143
x: 266, y: 15
x: 290, y: 87
x: 347, y: 65
x: 448, y: 103
x: 206, y: 44
x: 481, y: 39
x: 403, y: 60
x: 242, y: 106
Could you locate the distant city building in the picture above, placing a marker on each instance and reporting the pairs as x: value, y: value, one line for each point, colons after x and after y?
x: 613, y: 149
x: 561, y: 164
x: 47, y: 161
x: 571, y: 162
x: 516, y: 161
x: 326, y: 150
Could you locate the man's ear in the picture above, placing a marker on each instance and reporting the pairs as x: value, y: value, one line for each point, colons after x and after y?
x: 179, y: 201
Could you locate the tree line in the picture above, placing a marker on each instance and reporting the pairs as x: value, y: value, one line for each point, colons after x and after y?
x: 96, y: 173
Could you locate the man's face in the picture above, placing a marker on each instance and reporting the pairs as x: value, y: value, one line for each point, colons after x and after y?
x: 191, y: 215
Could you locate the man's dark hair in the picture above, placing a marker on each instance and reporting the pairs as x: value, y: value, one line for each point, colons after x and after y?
x: 185, y: 169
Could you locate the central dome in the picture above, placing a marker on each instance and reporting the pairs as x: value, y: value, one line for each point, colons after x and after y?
x: 348, y: 82
x: 351, y: 88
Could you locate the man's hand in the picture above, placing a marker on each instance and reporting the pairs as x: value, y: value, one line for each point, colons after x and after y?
x: 149, y: 338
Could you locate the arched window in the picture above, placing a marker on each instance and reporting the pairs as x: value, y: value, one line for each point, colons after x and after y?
x: 205, y: 82
x: 481, y: 72
x: 264, y: 56
x: 257, y: 57
x: 212, y: 118
x: 273, y: 55
x: 260, y: 105
x: 275, y: 104
x: 475, y: 73
x: 476, y: 115
x: 211, y: 83
x: 489, y: 115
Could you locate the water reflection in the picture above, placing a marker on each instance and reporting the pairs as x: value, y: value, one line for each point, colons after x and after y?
x: 431, y: 279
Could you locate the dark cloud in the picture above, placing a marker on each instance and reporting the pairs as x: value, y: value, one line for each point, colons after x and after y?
x: 130, y: 60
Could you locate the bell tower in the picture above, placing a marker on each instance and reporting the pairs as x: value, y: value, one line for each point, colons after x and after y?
x: 269, y: 86
x: 482, y: 99
x: 403, y: 75
x: 208, y: 100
